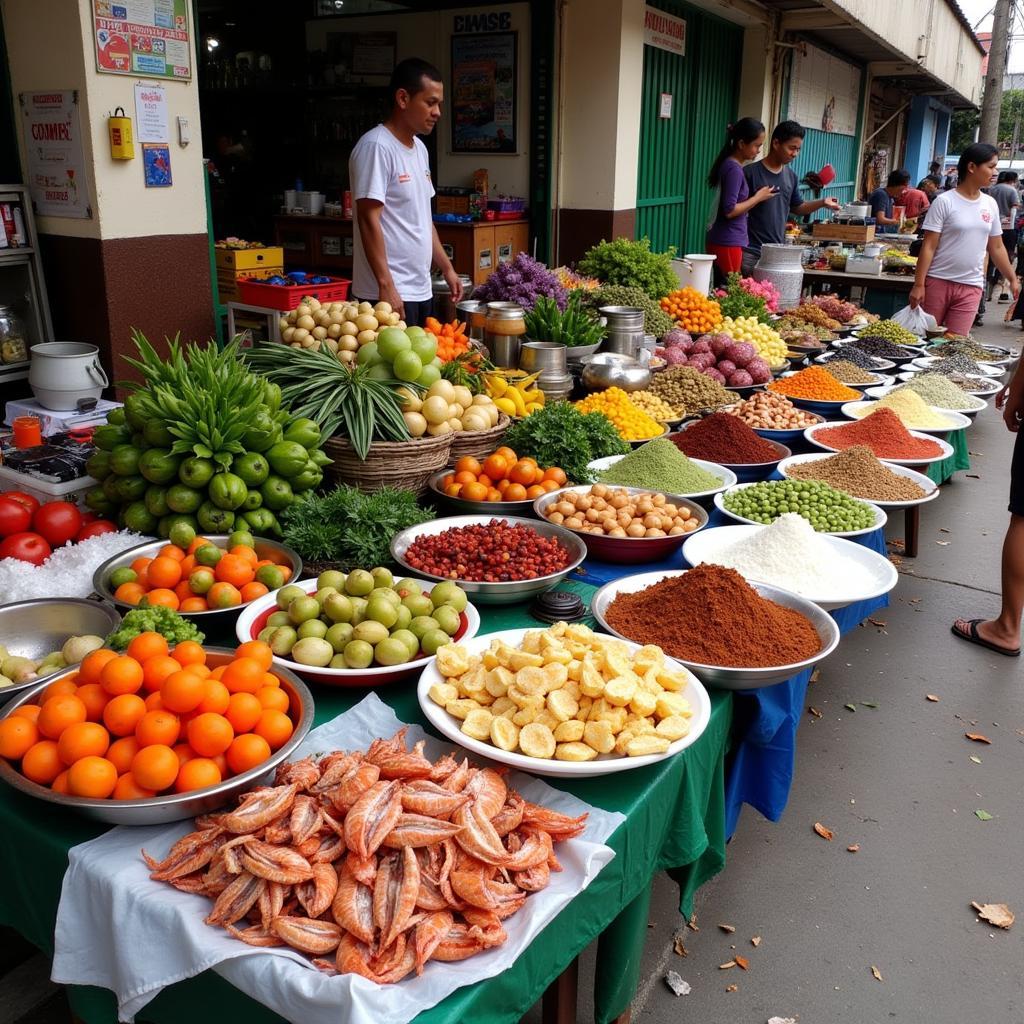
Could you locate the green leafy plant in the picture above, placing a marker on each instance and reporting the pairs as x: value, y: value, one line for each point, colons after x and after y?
x: 468, y: 370
x: 345, y: 525
x: 633, y: 264
x: 351, y: 402
x: 561, y: 435
x: 575, y: 327
x: 736, y: 301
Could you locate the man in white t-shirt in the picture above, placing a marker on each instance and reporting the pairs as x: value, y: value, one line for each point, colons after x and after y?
x: 395, y: 238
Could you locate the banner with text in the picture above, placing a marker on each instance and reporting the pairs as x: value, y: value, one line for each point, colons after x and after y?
x: 54, y: 155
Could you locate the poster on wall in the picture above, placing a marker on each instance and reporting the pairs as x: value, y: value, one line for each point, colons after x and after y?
x: 824, y: 92
x: 156, y: 164
x: 54, y: 154
x: 143, y: 37
x: 151, y: 113
x: 483, y: 86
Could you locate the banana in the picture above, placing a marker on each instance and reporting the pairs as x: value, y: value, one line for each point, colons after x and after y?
x: 517, y: 398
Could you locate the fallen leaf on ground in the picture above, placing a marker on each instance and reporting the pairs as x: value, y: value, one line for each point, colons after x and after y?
x: 782, y: 1020
x: 977, y: 737
x: 677, y: 945
x: 853, y: 848
x: 942, y: 529
x: 869, y: 703
x: 943, y: 543
x: 931, y: 697
x: 982, y: 815
x: 756, y: 941
x: 877, y: 973
x: 727, y: 965
x: 880, y: 623
x: 979, y: 454
x: 850, y: 707
x: 742, y: 962
x: 731, y: 988
x: 815, y: 675
x: 692, y: 923
x: 976, y: 760
x: 676, y: 983
x: 998, y: 914
x: 825, y: 833
x: 814, y: 711
x: 727, y: 928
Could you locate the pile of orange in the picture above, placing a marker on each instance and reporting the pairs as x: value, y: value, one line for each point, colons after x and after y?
x: 693, y: 311
x: 202, y: 577
x: 150, y: 721
x: 502, y: 476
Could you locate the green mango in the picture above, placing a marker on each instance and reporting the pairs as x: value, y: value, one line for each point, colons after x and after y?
x: 110, y: 436
x: 159, y: 466
x: 124, y: 460
x: 156, y: 501
x: 227, y: 491
x: 98, y: 466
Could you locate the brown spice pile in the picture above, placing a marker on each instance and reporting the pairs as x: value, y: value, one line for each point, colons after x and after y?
x: 860, y: 474
x: 712, y: 616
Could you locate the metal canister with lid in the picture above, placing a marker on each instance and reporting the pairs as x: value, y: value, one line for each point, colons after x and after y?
x: 444, y: 308
x: 473, y: 313
x: 625, y: 329
x: 504, y: 327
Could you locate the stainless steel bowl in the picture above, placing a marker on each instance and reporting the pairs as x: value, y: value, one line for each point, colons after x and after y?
x: 215, y: 618
x: 463, y: 506
x: 629, y: 550
x: 159, y: 810
x: 611, y: 370
x: 32, y: 629
x: 721, y: 676
x: 493, y: 593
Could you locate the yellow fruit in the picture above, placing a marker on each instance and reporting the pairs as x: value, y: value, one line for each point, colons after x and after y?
x: 506, y: 405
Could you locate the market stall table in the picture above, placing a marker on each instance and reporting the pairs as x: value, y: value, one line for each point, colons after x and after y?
x: 675, y: 821
x: 881, y: 290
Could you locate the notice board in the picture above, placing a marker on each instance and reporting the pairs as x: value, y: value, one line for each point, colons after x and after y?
x: 143, y: 37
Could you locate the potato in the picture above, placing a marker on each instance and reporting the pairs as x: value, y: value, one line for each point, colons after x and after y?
x: 306, y: 322
x: 349, y: 329
x: 364, y: 337
x: 367, y: 322
x: 319, y: 333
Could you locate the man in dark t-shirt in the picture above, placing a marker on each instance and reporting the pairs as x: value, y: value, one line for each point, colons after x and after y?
x: 883, y: 199
x: 766, y: 223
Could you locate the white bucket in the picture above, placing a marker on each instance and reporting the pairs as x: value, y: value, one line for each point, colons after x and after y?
x: 694, y: 271
x: 62, y: 372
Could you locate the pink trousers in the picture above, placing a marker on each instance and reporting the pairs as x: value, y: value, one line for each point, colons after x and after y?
x: 953, y: 305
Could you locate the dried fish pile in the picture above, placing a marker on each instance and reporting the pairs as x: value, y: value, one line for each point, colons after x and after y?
x: 385, y: 859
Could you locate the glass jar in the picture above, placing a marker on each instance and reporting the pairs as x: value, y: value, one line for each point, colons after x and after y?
x: 504, y: 327
x: 13, y: 337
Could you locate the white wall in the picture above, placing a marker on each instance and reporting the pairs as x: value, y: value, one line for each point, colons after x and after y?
x: 428, y: 35
x: 48, y: 48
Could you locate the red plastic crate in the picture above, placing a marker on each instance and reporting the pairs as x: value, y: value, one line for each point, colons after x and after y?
x: 286, y: 297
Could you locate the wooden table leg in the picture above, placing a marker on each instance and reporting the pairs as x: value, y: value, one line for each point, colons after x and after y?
x: 911, y: 530
x: 559, y: 1002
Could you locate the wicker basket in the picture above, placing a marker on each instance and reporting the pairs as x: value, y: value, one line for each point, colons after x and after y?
x: 407, y: 465
x: 478, y: 443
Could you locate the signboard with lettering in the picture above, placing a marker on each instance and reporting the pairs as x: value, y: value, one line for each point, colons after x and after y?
x: 143, y: 37
x: 483, y: 92
x: 664, y: 31
x: 54, y: 156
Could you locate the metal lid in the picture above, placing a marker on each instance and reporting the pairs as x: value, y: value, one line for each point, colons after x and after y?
x: 505, y: 311
x: 558, y: 606
x: 470, y: 305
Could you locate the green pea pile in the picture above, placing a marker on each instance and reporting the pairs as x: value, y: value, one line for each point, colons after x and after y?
x: 825, y: 508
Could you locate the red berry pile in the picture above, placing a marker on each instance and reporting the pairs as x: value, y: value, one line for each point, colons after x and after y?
x: 496, y: 552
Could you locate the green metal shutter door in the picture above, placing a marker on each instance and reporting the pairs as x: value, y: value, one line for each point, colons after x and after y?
x: 673, y: 200
x: 840, y: 151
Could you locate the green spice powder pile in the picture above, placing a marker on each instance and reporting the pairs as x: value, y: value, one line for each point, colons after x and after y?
x: 661, y: 466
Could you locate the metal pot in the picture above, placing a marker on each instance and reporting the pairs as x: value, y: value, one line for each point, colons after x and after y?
x: 612, y: 370
x: 625, y: 327
x: 444, y: 309
x: 546, y: 356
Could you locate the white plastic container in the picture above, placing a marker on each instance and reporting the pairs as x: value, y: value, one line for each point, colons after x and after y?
x: 44, y: 490
x: 694, y: 271
x: 62, y: 372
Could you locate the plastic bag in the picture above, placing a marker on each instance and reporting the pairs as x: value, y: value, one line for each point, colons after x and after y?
x: 916, y: 320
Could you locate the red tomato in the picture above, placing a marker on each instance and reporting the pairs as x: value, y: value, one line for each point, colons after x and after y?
x: 94, y: 529
x: 14, y: 517
x: 89, y: 517
x: 23, y: 499
x: 29, y: 547
x: 57, y: 521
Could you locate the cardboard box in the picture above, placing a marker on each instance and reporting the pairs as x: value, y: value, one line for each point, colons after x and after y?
x: 249, y: 259
x: 829, y: 231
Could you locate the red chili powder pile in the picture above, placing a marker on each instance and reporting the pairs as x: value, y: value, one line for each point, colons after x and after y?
x: 712, y: 616
x: 884, y: 434
x: 725, y: 439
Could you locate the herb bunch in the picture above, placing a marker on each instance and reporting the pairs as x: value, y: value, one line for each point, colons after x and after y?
x: 560, y: 435
x: 633, y: 264
x: 576, y: 326
x: 656, y: 320
x: 345, y: 525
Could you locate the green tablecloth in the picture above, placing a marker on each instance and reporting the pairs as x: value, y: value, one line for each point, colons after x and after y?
x: 940, y: 472
x: 675, y: 822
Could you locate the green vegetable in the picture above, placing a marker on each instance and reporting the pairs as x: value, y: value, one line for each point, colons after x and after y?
x: 632, y: 264
x: 826, y: 509
x: 158, y: 620
x: 347, y: 526
x: 737, y: 301
x: 303, y: 431
x: 656, y: 320
x: 576, y: 326
x: 560, y: 435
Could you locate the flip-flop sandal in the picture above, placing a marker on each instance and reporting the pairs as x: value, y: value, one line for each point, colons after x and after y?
x: 974, y: 637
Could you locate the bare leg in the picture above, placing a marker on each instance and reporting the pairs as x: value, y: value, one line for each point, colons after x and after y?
x: 1005, y: 630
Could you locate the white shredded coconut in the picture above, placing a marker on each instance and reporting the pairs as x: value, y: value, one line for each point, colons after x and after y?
x: 67, y: 572
x: 790, y: 554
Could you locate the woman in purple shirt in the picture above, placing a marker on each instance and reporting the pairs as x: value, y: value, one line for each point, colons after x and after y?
x: 727, y: 234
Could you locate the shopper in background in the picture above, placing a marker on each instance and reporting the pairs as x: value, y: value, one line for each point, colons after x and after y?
x: 915, y: 201
x: 727, y: 234
x: 1002, y: 634
x: 883, y: 200
x: 766, y: 222
x: 1007, y: 198
x: 959, y: 228
x: 395, y: 238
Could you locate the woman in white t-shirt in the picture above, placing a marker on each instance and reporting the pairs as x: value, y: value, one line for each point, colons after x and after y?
x: 960, y: 227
